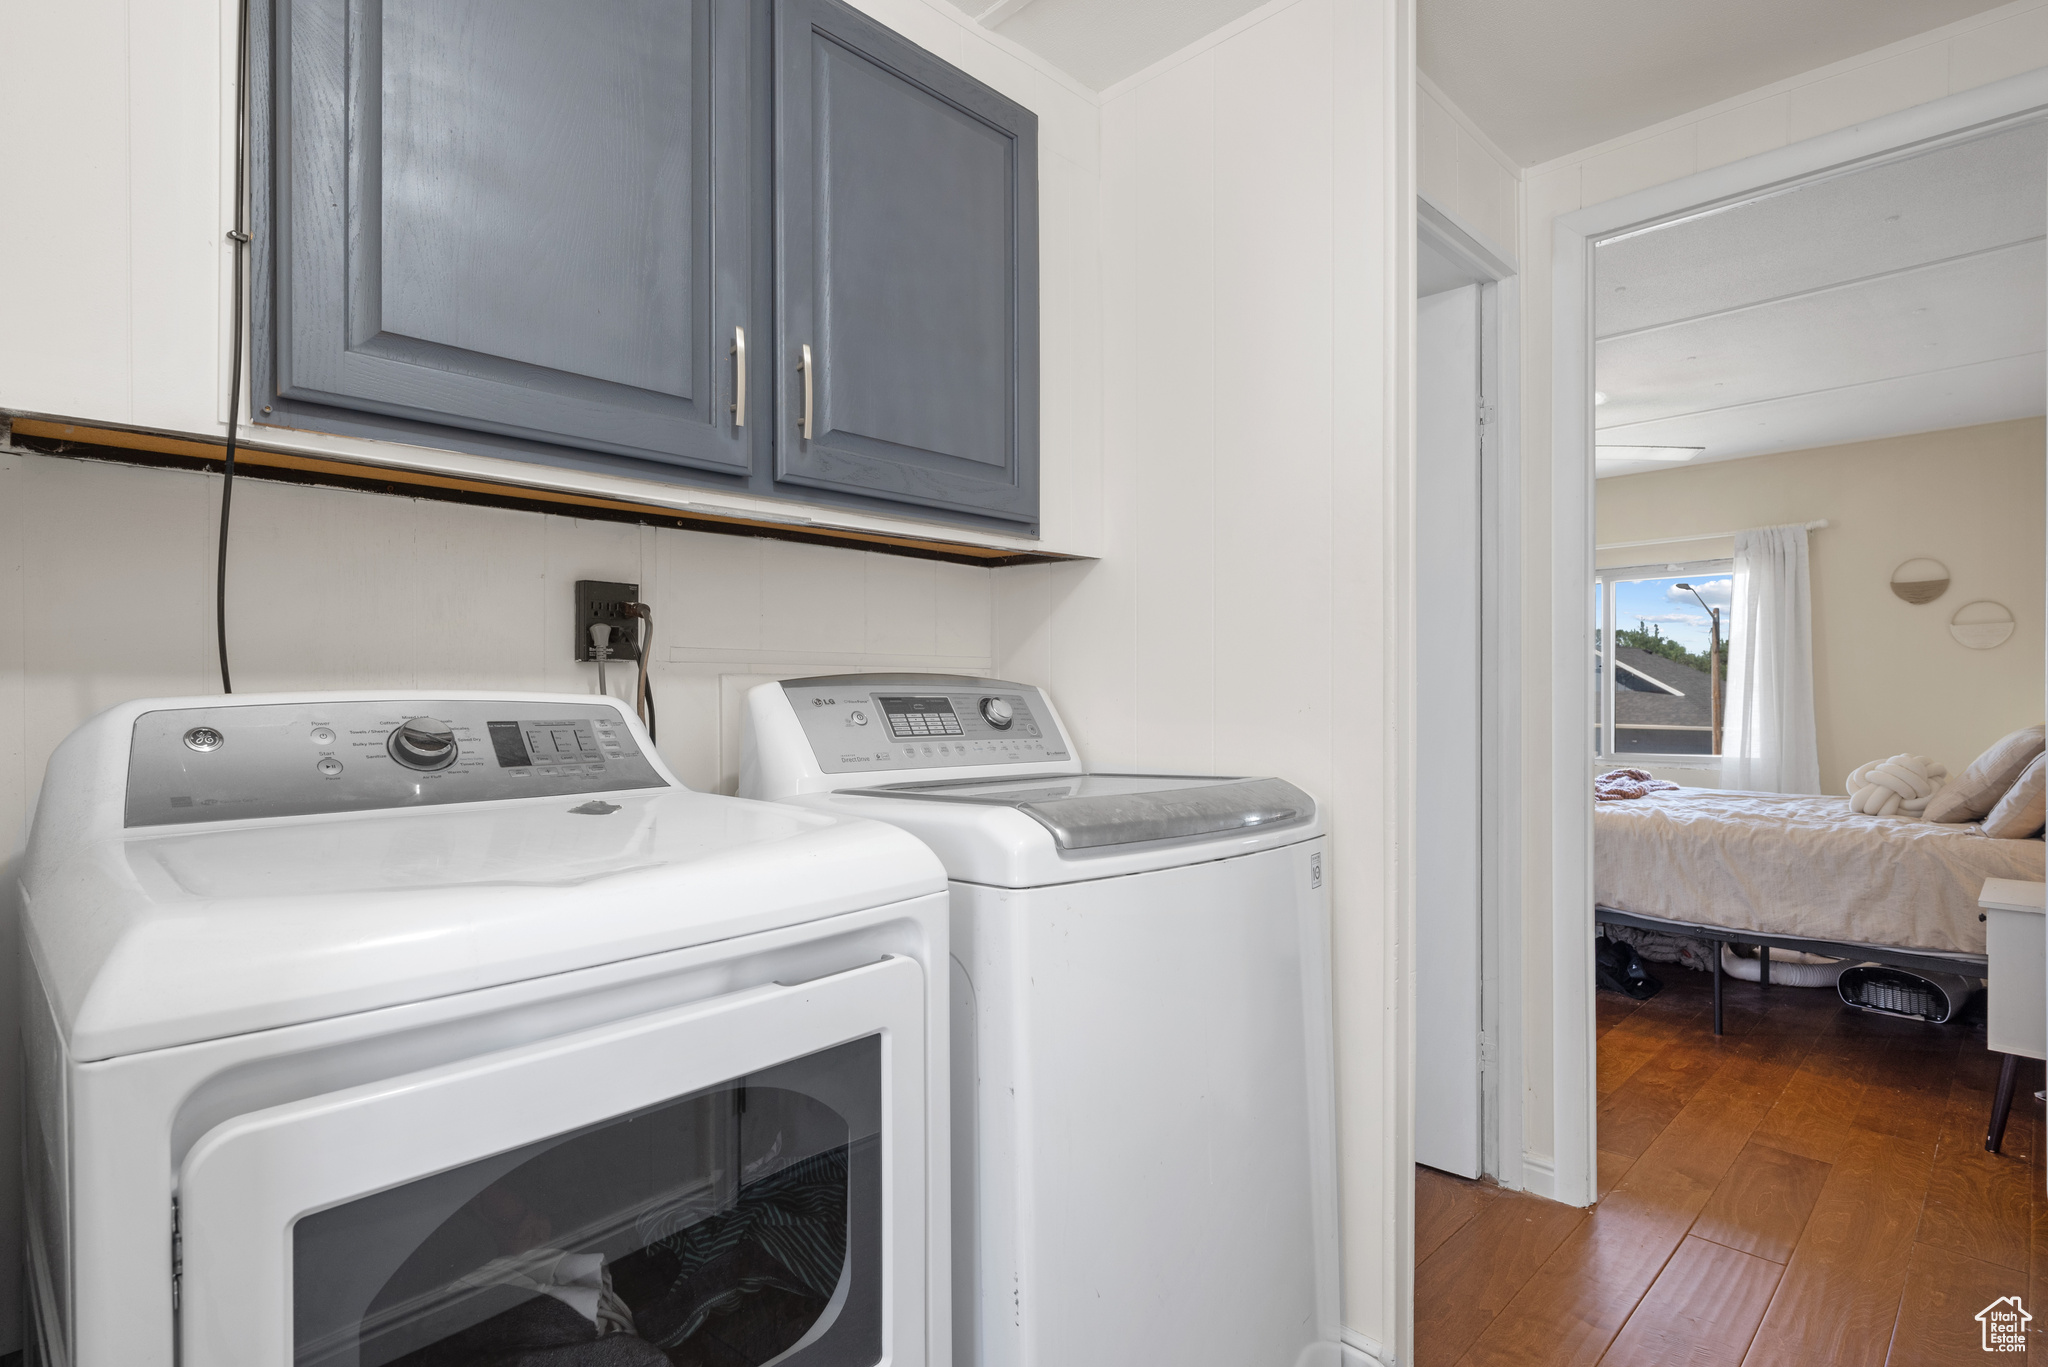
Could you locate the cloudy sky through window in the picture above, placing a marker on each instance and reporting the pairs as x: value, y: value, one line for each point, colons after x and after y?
x: 1660, y: 603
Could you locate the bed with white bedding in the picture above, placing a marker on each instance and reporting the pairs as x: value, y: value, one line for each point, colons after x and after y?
x: 1800, y: 868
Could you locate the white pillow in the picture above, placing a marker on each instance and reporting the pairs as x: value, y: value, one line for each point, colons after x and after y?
x: 2023, y: 810
x: 1971, y: 797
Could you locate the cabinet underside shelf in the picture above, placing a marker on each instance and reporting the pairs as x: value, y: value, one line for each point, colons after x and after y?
x: 56, y: 437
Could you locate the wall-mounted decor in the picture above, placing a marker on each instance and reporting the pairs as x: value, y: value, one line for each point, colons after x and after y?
x: 1982, y: 625
x: 1921, y: 580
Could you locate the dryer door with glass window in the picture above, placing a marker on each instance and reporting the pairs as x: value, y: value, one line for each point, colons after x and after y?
x: 734, y: 1182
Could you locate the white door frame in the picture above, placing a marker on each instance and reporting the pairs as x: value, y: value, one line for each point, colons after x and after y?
x: 1572, y: 567
x: 1500, y: 742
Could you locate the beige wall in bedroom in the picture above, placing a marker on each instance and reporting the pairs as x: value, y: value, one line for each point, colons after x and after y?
x: 1887, y: 675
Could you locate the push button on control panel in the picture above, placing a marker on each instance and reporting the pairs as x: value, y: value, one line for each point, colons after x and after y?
x: 330, y: 766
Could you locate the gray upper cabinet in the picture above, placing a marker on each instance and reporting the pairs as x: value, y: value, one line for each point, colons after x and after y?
x: 906, y: 214
x: 517, y: 217
x: 534, y: 229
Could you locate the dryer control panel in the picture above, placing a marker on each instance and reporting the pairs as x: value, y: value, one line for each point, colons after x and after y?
x: 866, y: 724
x: 231, y: 763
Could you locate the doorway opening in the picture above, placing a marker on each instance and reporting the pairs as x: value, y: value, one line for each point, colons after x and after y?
x: 1667, y: 227
x: 1798, y: 421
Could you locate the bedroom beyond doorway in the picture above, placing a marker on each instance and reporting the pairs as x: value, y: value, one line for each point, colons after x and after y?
x: 1819, y: 459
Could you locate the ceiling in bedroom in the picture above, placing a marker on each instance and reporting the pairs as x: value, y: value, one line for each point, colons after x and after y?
x: 1905, y: 297
x: 1100, y: 42
x: 1550, y: 78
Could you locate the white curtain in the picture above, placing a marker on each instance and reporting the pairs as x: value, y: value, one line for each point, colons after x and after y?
x: 1769, y: 742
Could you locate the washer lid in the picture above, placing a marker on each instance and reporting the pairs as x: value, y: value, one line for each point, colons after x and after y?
x: 151, y: 936
x: 1097, y: 811
x: 184, y: 934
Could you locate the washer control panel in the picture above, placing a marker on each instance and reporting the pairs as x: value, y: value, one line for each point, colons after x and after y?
x: 295, y: 759
x: 876, y: 724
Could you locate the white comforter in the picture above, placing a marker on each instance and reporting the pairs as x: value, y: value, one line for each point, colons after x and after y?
x: 1791, y: 865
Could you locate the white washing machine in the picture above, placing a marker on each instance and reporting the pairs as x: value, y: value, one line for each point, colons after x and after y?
x: 444, y: 1030
x: 1144, y: 1133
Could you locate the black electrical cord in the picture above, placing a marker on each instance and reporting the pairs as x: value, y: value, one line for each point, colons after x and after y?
x: 643, y: 697
x: 239, y: 236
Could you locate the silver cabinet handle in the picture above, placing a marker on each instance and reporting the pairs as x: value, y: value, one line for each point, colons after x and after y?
x: 806, y: 366
x: 739, y: 377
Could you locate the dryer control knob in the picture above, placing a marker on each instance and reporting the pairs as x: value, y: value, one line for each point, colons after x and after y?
x: 423, y: 743
x: 998, y: 713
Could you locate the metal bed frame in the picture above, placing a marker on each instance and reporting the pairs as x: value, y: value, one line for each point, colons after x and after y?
x: 1965, y: 965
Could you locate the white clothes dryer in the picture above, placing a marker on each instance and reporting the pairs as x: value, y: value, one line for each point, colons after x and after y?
x: 436, y: 1028
x: 1144, y: 1113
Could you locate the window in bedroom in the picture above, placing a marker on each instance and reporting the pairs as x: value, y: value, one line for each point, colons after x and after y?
x: 1663, y: 682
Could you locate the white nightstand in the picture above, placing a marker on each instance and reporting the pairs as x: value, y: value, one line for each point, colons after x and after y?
x: 2016, y: 994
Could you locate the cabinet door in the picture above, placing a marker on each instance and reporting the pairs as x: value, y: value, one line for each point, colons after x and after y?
x: 907, y: 261
x: 516, y: 216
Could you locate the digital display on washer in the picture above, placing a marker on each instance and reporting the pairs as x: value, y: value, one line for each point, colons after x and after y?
x: 510, y: 744
x: 545, y: 744
x: 916, y: 718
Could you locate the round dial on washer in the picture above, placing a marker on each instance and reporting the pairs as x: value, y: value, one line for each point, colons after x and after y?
x: 422, y: 743
x: 998, y: 713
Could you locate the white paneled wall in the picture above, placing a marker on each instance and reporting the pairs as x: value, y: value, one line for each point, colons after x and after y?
x: 1961, y: 56
x: 110, y: 596
x: 1458, y: 168
x: 1256, y: 230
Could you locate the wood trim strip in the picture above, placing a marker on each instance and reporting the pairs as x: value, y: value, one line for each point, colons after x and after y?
x: 55, y: 437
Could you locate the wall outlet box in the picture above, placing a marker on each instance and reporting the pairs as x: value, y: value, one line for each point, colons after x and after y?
x: 599, y: 600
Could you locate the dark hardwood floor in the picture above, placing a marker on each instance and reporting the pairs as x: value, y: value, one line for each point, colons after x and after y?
x: 1811, y: 1189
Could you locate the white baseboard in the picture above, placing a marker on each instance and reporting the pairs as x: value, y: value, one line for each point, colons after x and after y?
x: 1360, y: 1351
x: 1539, y: 1175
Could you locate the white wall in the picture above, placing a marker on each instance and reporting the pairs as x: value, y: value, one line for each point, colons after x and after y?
x: 124, y: 117
x: 1458, y: 169
x: 108, y: 590
x: 1888, y: 676
x: 1247, y: 614
x: 1960, y: 56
